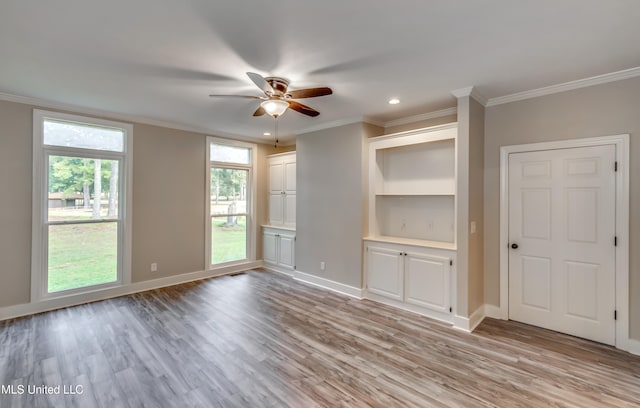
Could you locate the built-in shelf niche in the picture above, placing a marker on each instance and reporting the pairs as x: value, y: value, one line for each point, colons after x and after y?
x: 417, y: 169
x: 413, y: 186
x: 429, y: 218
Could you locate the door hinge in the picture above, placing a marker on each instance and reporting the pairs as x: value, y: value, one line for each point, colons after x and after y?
x: 615, y: 166
x: 615, y: 241
x: 450, y: 309
x: 615, y: 315
x: 450, y: 262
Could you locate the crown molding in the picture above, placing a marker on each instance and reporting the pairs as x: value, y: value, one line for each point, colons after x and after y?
x: 44, y: 103
x: 373, y: 121
x: 335, y: 123
x: 424, y: 116
x: 567, y: 86
x: 481, y: 99
x: 471, y: 92
x: 462, y: 92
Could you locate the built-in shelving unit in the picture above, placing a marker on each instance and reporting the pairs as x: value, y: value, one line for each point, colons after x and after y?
x: 278, y: 237
x: 410, y: 255
x: 413, y: 180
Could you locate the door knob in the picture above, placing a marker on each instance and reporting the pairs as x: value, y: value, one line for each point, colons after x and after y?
x: 514, y: 246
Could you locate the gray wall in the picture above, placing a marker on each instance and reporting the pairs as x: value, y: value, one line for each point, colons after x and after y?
x: 15, y: 205
x: 168, y: 201
x: 476, y: 205
x: 601, y: 110
x: 330, y: 212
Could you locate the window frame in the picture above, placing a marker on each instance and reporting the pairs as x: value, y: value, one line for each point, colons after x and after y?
x: 40, y: 222
x: 251, y: 209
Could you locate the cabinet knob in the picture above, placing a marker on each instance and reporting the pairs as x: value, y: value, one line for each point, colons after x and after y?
x: 514, y: 246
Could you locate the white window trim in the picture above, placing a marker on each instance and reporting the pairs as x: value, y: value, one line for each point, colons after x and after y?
x: 251, y: 207
x: 39, y: 206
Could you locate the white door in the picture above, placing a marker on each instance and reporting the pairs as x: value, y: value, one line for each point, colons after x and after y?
x: 289, y: 209
x: 286, y: 251
x: 275, y: 177
x: 427, y: 281
x: 269, y: 247
x: 276, y: 208
x: 561, y: 238
x: 289, y: 175
x: 385, y: 272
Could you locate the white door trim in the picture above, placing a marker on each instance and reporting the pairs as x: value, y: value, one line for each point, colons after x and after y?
x: 622, y: 222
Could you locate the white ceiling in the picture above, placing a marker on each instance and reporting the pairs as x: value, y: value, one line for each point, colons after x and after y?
x: 160, y: 59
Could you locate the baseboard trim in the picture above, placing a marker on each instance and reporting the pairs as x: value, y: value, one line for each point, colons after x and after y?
x: 469, y: 324
x: 328, y: 284
x: 493, y: 311
x: 632, y: 346
x: 476, y: 317
x: 431, y: 314
x: 46, y: 305
x: 274, y: 268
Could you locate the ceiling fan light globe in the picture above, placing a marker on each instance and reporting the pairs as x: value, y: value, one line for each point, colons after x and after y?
x: 275, y: 107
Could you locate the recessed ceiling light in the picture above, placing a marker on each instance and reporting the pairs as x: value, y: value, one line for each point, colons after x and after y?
x: 394, y: 101
x: 266, y: 134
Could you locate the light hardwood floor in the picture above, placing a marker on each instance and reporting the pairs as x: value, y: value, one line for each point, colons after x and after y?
x: 260, y: 339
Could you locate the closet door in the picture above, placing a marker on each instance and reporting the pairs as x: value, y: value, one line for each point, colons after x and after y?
x: 561, y: 235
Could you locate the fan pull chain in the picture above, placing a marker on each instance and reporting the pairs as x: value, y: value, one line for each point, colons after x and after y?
x: 275, y: 132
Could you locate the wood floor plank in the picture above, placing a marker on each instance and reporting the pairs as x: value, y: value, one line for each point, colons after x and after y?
x: 261, y: 339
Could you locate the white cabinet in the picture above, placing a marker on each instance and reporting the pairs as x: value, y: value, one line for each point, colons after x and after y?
x: 411, y: 277
x: 427, y: 281
x: 282, y: 189
x: 385, y: 272
x: 279, y: 249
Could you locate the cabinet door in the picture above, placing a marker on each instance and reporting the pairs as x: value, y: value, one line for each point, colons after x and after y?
x: 385, y: 272
x: 290, y: 209
x: 276, y: 208
x: 276, y: 176
x: 289, y: 176
x: 286, y: 251
x: 427, y: 280
x: 270, y: 247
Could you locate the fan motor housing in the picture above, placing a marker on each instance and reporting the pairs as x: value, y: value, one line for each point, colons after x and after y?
x: 278, y: 84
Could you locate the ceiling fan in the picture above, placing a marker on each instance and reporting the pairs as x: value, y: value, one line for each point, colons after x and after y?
x: 277, y: 98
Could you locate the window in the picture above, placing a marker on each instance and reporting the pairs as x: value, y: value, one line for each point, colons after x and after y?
x: 81, y: 171
x: 230, y: 231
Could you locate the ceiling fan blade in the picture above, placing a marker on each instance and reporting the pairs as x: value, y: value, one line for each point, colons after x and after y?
x: 305, y: 110
x: 310, y: 92
x: 260, y: 82
x: 236, y: 96
x: 259, y: 112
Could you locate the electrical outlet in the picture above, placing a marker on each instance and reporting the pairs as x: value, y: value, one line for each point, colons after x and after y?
x: 322, y: 266
x: 154, y: 267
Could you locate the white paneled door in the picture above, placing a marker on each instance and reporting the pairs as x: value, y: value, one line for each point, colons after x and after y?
x: 561, y: 240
